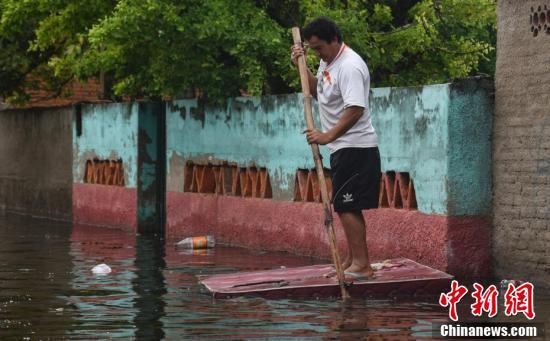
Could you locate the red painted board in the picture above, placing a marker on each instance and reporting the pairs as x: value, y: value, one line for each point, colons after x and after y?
x: 400, y: 277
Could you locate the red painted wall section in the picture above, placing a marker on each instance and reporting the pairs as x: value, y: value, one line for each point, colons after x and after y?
x: 469, y: 245
x: 103, y: 205
x: 253, y: 223
x: 457, y: 245
x: 400, y: 233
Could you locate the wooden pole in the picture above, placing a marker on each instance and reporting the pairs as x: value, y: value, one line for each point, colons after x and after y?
x: 302, y: 67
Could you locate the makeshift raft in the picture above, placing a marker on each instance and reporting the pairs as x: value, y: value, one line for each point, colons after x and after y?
x: 400, y: 277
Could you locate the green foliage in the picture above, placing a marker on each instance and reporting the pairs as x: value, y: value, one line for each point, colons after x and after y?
x: 156, y: 48
x: 38, y: 38
x: 436, y: 41
x: 444, y: 39
x: 162, y: 48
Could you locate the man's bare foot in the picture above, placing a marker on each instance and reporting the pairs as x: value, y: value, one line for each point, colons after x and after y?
x: 347, y: 263
x: 358, y: 272
x: 355, y: 273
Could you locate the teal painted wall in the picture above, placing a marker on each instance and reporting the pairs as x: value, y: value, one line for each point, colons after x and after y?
x: 440, y: 134
x: 129, y: 131
x: 151, y: 174
x: 109, y: 131
x: 470, y: 132
x: 149, y: 139
x: 413, y: 137
x: 265, y: 131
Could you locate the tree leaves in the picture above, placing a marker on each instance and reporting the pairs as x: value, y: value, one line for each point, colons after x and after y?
x: 156, y: 48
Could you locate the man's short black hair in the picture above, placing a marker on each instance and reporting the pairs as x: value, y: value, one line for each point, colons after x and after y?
x: 324, y: 29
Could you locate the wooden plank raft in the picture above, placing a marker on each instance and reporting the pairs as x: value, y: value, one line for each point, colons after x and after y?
x: 400, y: 277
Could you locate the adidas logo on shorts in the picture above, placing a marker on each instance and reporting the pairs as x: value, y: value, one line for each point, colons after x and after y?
x: 347, y: 197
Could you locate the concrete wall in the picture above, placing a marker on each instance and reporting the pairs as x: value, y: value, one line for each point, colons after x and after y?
x: 439, y: 134
x: 35, y: 162
x: 265, y: 131
x: 132, y: 134
x: 412, y: 126
x: 151, y: 189
x: 521, y: 143
x: 470, y: 129
x: 108, y: 132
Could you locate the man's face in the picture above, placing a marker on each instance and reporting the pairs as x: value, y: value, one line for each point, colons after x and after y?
x: 322, y: 49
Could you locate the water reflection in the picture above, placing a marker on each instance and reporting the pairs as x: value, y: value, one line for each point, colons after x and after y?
x: 34, y: 272
x: 149, y: 286
x: 47, y: 291
x: 103, y: 304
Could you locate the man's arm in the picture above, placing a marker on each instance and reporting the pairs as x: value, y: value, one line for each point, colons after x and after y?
x: 350, y: 116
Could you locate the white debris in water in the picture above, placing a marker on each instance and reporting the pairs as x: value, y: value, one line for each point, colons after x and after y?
x: 101, y: 269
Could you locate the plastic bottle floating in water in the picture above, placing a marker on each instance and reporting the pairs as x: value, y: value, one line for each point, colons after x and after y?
x: 200, y: 242
x: 196, y: 252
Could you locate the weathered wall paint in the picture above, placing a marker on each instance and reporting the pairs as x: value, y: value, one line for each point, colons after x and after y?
x: 129, y: 131
x: 35, y: 162
x: 469, y: 159
x: 440, y: 134
x: 100, y: 205
x: 458, y: 245
x: 151, y: 168
x: 265, y: 131
x: 424, y: 131
x: 109, y: 131
x: 412, y: 128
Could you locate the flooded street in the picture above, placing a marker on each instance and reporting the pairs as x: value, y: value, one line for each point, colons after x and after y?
x: 47, y: 291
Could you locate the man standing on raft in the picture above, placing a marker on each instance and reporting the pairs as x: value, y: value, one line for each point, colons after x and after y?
x: 341, y: 87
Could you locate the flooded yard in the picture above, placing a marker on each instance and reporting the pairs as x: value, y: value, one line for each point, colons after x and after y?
x: 47, y: 291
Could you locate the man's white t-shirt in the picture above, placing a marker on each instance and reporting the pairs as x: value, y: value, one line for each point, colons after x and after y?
x: 343, y: 83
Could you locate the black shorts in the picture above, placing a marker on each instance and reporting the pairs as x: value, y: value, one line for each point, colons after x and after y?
x: 355, y: 178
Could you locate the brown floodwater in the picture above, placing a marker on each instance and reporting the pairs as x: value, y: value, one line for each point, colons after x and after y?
x: 48, y: 292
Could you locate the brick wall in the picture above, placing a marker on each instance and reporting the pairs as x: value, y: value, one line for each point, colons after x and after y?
x: 521, y: 142
x: 88, y: 91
